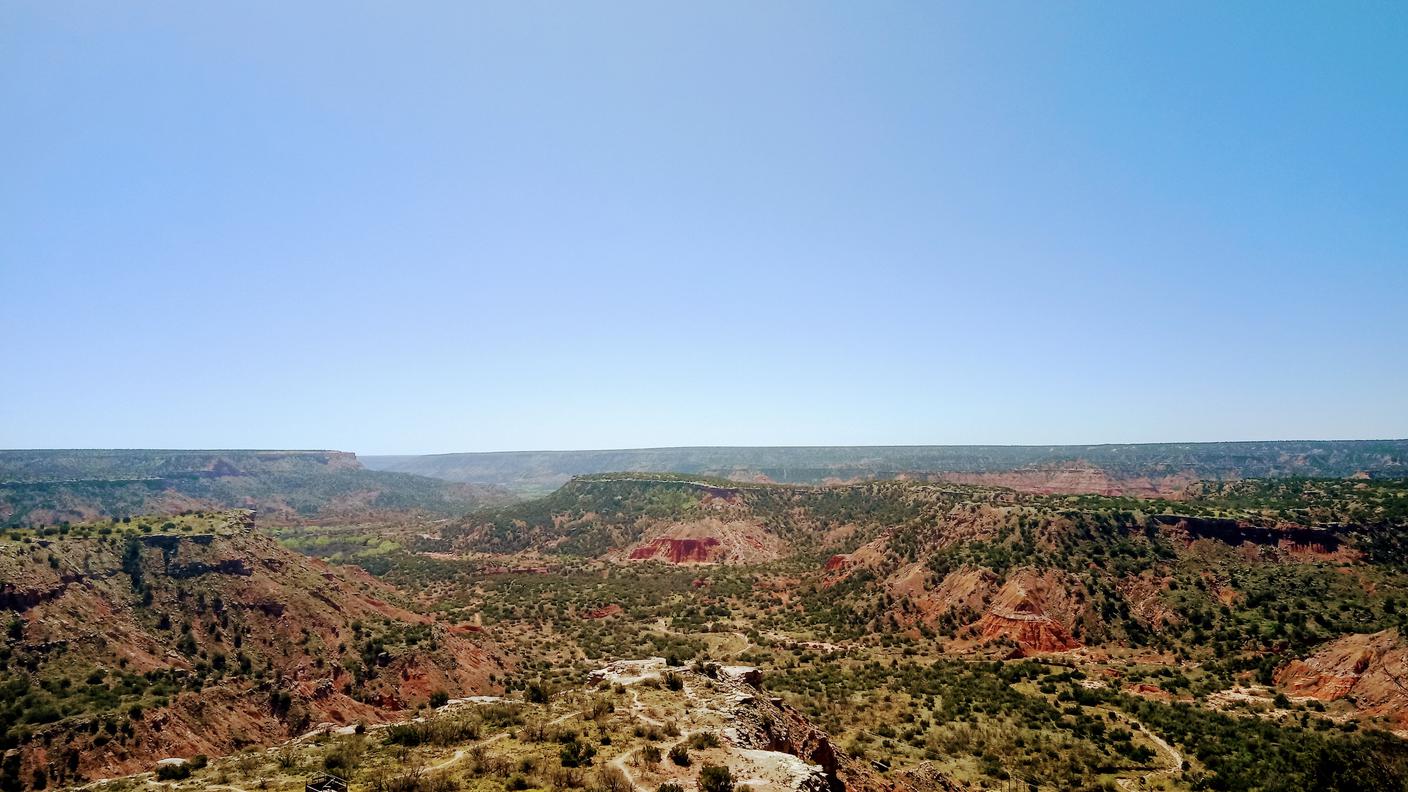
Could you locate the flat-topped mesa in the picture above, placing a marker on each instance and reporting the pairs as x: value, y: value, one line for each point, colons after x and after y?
x: 121, y: 464
x: 1160, y: 469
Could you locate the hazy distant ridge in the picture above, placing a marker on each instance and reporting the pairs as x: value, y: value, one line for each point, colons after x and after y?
x: 48, y: 486
x: 528, y: 471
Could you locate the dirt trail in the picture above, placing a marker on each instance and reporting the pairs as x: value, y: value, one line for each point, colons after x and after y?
x: 731, y: 652
x: 461, y: 753
x: 1175, y: 757
x: 638, y: 709
x: 456, y: 757
x: 722, y: 650
x: 620, y: 764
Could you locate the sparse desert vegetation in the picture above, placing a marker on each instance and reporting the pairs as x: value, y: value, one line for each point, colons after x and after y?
x: 933, y: 636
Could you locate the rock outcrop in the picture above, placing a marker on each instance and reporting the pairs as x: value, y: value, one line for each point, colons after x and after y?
x: 1025, y: 610
x: 1293, y: 540
x: 768, y: 745
x: 1369, y: 669
x: 1077, y: 478
x: 763, y: 722
x: 709, y: 541
x: 677, y: 551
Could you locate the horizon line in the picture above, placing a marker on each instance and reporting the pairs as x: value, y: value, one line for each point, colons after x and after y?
x: 598, y: 450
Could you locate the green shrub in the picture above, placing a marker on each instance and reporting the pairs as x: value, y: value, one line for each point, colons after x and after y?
x: 577, y: 753
x: 173, y: 772
x: 713, y: 778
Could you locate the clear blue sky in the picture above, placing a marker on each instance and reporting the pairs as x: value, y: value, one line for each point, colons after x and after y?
x: 420, y: 227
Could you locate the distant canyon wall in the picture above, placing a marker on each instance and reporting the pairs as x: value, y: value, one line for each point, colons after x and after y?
x: 1146, y: 470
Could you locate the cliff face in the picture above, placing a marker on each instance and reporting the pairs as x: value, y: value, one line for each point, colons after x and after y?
x: 1317, y: 542
x: 1078, y: 479
x: 1369, y: 669
x: 207, y: 642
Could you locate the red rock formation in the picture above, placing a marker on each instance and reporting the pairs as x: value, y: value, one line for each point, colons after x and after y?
x: 1019, y: 612
x: 710, y: 540
x: 1033, y: 632
x: 837, y: 562
x: 677, y: 551
x: 604, y: 612
x: 1370, y: 669
x: 965, y: 592
x: 1146, y: 690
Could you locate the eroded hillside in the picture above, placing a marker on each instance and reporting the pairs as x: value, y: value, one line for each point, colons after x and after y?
x: 128, y: 642
x: 632, y: 725
x: 935, y: 635
x: 1234, y: 600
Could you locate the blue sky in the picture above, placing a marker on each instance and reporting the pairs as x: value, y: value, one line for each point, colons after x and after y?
x: 422, y: 227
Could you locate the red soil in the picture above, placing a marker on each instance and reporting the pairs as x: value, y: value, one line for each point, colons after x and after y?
x: 677, y: 551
